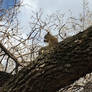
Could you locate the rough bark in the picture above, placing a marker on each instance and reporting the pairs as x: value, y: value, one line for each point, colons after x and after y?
x: 65, y: 63
x: 4, y: 77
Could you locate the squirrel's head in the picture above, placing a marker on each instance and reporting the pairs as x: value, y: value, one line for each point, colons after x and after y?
x: 46, y: 37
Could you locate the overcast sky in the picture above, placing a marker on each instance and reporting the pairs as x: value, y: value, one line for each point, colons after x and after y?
x: 50, y: 6
x: 53, y: 5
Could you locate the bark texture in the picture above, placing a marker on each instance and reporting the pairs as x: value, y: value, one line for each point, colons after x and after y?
x: 4, y: 77
x: 62, y: 65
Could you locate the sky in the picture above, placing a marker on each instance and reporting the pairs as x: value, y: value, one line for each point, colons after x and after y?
x: 50, y: 6
x: 6, y: 4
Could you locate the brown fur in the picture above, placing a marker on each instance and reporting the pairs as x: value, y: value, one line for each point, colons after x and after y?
x: 50, y: 39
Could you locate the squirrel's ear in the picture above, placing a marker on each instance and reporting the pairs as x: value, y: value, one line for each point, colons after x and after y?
x: 48, y: 33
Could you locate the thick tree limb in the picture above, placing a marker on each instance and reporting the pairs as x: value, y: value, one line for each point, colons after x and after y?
x: 4, y: 77
x: 10, y: 55
x: 67, y: 62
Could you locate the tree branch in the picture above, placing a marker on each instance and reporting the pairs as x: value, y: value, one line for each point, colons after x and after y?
x: 65, y: 63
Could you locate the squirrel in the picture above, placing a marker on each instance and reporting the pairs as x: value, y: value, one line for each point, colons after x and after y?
x: 51, y: 40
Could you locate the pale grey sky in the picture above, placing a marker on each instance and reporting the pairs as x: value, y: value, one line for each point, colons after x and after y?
x: 53, y: 5
x: 50, y: 6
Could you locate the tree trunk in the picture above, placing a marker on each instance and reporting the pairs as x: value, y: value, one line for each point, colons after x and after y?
x: 65, y: 63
